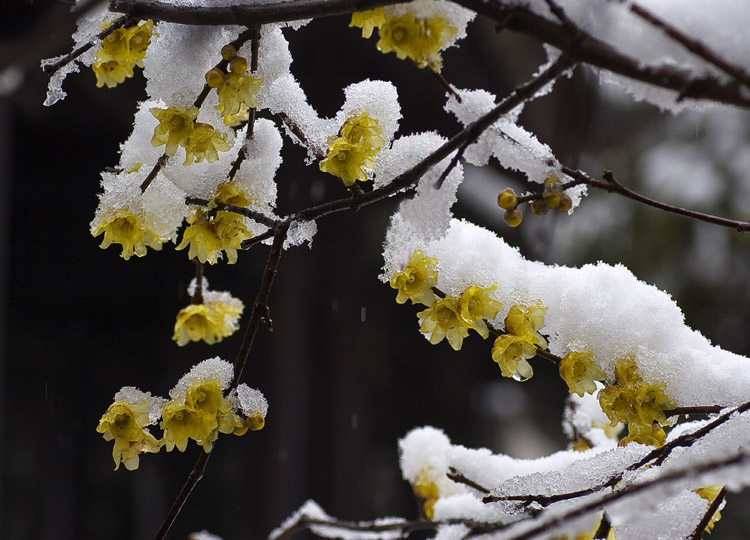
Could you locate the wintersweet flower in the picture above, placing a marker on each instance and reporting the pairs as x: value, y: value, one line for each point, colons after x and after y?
x: 368, y: 20
x: 709, y: 493
x: 127, y: 229
x: 209, y: 235
x: 353, y: 149
x: 175, y: 127
x: 427, y: 492
x: 180, y: 423
x: 441, y: 321
x: 527, y: 322
x: 416, y: 38
x: 120, y: 52
x: 204, y: 142
x: 636, y: 403
x: 512, y: 353
x: 211, y: 321
x: 230, y: 193
x: 579, y: 372
x: 474, y: 305
x: 237, y: 90
x: 416, y: 280
x: 126, y: 423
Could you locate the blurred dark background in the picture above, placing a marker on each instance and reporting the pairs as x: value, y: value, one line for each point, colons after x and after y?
x: 346, y: 371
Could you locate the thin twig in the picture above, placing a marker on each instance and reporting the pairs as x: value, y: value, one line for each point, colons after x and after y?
x: 247, y: 212
x: 121, y: 22
x: 519, y: 17
x: 300, y: 134
x: 459, y: 478
x: 691, y: 44
x: 198, y: 294
x: 446, y: 85
x: 193, y: 478
x: 712, y: 509
x: 260, y: 305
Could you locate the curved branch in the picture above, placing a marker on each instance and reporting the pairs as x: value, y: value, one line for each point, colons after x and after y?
x: 245, y: 15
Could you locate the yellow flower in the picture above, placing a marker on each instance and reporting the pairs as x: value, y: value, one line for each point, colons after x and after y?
x: 204, y: 142
x: 238, y: 88
x: 204, y: 414
x: 180, y: 423
x: 527, y: 322
x: 175, y: 127
x: 441, y: 320
x: 426, y: 491
x: 125, y: 424
x: 709, y: 493
x: 211, y: 322
x: 579, y: 372
x: 354, y: 149
x: 511, y: 354
x: 209, y: 236
x: 417, y: 39
x: 125, y: 228
x: 368, y: 20
x: 235, y: 120
x: 639, y: 404
x: 474, y: 305
x: 416, y: 280
x: 119, y: 52
x: 230, y: 193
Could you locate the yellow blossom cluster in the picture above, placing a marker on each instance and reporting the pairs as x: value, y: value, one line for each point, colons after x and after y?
x: 426, y: 491
x: 419, y: 39
x: 177, y: 127
x: 449, y: 317
x: 211, y: 232
x: 211, y: 321
x: 579, y: 371
x: 200, y: 416
x: 129, y: 230
x: 235, y: 88
x: 120, y: 52
x: 638, y: 404
x: 512, y: 350
x: 353, y: 149
x: 199, y: 410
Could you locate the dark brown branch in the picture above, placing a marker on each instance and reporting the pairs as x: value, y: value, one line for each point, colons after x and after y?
x: 193, y: 478
x: 247, y: 212
x: 245, y: 15
x: 707, y: 409
x: 691, y: 44
x: 459, y: 478
x: 612, y: 185
x: 154, y: 171
x: 587, y: 49
x: 122, y: 22
x: 300, y: 134
x: 659, y: 480
x: 260, y: 304
x: 712, y: 509
x: 446, y: 85
x: 198, y: 294
x: 409, y: 179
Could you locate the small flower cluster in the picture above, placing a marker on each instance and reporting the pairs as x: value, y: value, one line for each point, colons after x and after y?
x: 638, y: 404
x: 353, y: 149
x: 416, y: 38
x: 580, y: 372
x: 553, y: 196
x: 120, y: 52
x: 198, y: 410
x: 211, y: 232
x: 129, y: 230
x: 214, y: 318
x: 177, y: 127
x: 449, y: 317
x: 236, y: 88
x: 512, y: 350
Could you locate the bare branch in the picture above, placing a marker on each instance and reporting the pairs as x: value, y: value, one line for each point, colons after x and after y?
x: 193, y: 478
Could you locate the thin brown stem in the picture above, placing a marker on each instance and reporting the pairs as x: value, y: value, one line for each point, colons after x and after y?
x: 300, y: 134
x: 459, y: 478
x: 247, y: 212
x: 446, y: 85
x: 691, y: 44
x: 260, y: 305
x: 198, y: 294
x: 192, y: 480
x: 712, y: 509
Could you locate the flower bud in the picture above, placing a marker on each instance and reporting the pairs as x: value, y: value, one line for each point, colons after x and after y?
x: 238, y: 65
x: 513, y: 217
x: 565, y: 203
x: 214, y: 78
x: 539, y: 207
x: 228, y: 52
x: 507, y: 199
